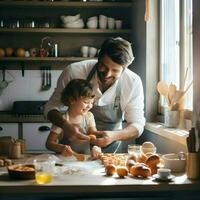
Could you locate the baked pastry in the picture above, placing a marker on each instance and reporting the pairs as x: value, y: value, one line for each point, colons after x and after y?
x: 153, y: 160
x: 142, y: 158
x: 140, y: 171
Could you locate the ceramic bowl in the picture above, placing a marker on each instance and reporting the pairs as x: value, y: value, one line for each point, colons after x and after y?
x: 174, y: 162
x: 76, y: 24
x: 67, y: 19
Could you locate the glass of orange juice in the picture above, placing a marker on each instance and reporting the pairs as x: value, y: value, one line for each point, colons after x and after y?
x: 44, y: 170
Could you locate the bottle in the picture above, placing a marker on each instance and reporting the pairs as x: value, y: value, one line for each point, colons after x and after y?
x: 56, y: 50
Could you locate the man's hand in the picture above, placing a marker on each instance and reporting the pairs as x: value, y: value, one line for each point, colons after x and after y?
x: 72, y: 132
x: 106, y: 139
x: 75, y: 134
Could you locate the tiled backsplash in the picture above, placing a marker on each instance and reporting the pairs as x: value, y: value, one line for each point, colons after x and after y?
x: 25, y: 88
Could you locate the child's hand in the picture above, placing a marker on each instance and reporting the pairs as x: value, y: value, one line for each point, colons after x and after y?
x: 92, y: 138
x: 95, y: 152
x: 67, y: 151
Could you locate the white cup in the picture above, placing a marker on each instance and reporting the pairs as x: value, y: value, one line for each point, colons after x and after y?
x: 84, y: 51
x: 92, y: 23
x: 92, y: 52
x: 93, y: 18
x: 118, y: 24
x: 164, y: 173
x: 103, y: 21
x: 111, y: 23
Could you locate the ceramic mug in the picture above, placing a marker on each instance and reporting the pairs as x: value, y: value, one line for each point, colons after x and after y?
x: 84, y: 51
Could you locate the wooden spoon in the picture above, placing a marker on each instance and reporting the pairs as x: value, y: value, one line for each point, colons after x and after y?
x: 163, y: 90
x: 172, y: 91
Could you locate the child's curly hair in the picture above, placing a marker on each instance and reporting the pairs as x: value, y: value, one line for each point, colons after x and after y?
x: 75, y: 89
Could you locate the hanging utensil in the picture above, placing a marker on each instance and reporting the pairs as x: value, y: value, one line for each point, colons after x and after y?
x: 49, y: 78
x: 44, y: 80
x: 4, y: 83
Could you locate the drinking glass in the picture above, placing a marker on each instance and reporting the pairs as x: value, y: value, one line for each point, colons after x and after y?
x: 134, y: 149
x: 44, y: 170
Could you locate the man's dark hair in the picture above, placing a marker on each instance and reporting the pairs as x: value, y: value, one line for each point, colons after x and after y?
x: 118, y: 49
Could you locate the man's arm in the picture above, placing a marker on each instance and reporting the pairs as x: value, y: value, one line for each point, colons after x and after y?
x: 127, y: 133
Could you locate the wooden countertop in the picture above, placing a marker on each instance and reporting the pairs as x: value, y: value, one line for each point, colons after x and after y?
x: 90, y: 179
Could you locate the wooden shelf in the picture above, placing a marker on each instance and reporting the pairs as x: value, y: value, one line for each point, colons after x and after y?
x: 65, y: 30
x: 65, y: 4
x: 59, y: 59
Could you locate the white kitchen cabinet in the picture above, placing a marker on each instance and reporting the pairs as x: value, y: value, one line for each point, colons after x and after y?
x: 35, y: 135
x: 9, y: 129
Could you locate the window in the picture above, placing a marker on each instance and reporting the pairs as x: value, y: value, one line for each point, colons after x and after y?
x: 176, y: 46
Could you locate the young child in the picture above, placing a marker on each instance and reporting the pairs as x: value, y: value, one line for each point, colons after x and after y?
x: 79, y: 97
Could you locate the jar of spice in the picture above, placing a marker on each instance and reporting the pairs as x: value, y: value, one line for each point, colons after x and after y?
x: 15, y: 150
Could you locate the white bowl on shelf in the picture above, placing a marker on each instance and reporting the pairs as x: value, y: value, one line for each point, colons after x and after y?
x: 70, y: 18
x: 75, y: 24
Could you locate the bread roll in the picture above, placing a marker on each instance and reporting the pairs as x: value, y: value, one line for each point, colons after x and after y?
x: 140, y: 171
x: 153, y: 160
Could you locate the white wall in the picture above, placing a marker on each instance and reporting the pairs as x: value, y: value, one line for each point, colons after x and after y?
x: 25, y: 88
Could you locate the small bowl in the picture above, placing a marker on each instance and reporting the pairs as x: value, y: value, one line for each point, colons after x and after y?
x: 21, y: 171
x: 174, y: 162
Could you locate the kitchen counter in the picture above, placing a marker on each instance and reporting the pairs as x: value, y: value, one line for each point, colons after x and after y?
x: 9, y: 117
x: 87, y: 179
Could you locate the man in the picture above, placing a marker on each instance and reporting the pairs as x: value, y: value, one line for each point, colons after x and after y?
x: 119, y: 95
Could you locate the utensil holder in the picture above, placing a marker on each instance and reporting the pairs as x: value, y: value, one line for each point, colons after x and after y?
x: 172, y: 118
x: 193, y: 165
